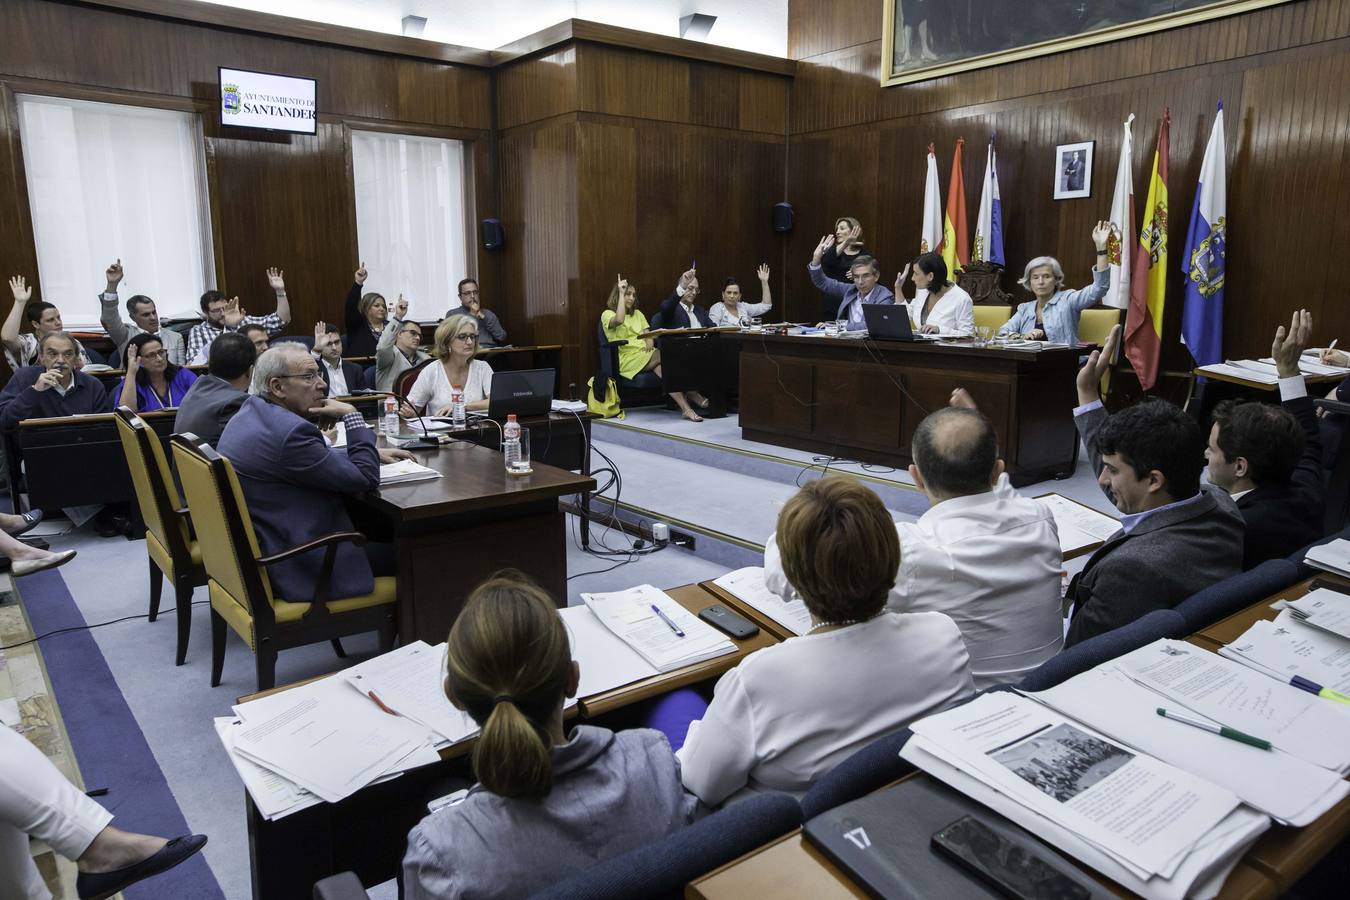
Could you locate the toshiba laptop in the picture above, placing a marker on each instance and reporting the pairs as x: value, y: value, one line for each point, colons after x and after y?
x: 525, y: 393
x: 888, y: 322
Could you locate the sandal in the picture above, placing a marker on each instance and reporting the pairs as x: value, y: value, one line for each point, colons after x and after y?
x: 692, y: 416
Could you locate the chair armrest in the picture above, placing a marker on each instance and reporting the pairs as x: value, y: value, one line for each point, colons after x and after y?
x: 342, y: 886
x: 609, y: 344
x: 336, y: 538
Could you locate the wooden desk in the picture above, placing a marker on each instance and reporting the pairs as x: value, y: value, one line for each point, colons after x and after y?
x: 740, y: 607
x: 77, y: 460
x: 1265, y: 387
x: 367, y: 832
x: 453, y: 532
x: 792, y: 867
x: 862, y: 399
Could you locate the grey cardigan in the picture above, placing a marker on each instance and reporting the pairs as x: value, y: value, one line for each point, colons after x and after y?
x: 1164, y: 559
x: 390, y: 362
x: 611, y: 793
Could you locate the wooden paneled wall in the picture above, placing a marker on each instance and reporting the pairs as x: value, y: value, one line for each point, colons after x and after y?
x: 635, y: 162
x: 283, y: 200
x: 1283, y: 74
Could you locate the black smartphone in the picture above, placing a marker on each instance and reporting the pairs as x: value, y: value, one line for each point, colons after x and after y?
x: 1012, y: 868
x: 738, y: 627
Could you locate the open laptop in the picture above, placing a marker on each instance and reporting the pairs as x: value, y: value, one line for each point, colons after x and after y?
x: 888, y: 322
x: 528, y: 392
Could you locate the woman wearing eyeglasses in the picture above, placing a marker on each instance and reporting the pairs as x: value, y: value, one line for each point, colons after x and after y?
x: 455, y: 344
x: 152, y: 382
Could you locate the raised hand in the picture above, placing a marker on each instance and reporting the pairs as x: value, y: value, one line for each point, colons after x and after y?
x: 276, y: 281
x: 234, y: 313
x: 623, y: 286
x: 361, y: 274
x: 114, y: 275
x: 1288, y: 346
x: 900, y: 280
x: 1101, y: 234
x: 320, y: 335
x: 401, y: 308
x: 18, y: 286
x: 825, y: 243
x: 1098, y: 364
x: 961, y: 397
x: 133, y: 360
x: 853, y: 234
x: 763, y: 272
x: 687, y: 277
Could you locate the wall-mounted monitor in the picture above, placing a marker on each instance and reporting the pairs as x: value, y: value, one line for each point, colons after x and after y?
x: 263, y: 100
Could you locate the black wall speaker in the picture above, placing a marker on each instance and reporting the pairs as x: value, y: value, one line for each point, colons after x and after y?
x: 494, y: 238
x: 782, y: 217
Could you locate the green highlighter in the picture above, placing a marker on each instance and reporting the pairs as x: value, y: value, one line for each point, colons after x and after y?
x: 1221, y: 730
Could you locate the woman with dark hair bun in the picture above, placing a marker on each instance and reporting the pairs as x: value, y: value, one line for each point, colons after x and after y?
x: 547, y: 804
x: 939, y: 307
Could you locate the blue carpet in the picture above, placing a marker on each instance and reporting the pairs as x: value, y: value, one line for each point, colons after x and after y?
x: 111, y: 749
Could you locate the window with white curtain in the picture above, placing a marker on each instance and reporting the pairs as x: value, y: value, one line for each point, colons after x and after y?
x: 108, y: 182
x: 410, y: 218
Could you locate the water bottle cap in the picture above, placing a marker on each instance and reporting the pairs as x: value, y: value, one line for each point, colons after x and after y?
x: 510, y: 417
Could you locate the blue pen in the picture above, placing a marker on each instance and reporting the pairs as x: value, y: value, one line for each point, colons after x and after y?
x: 1312, y: 687
x: 665, y: 618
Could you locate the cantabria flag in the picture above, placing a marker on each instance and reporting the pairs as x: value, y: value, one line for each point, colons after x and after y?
x: 1122, y: 224
x: 1205, y: 258
x: 930, y: 240
x: 989, y: 220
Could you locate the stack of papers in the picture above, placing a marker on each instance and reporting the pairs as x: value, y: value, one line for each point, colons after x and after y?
x: 1234, y: 370
x: 1310, y: 366
x: 633, y: 616
x: 605, y: 661
x: 747, y: 585
x: 1152, y: 827
x: 410, y: 681
x: 1325, y: 609
x: 405, y: 470
x: 1079, y: 526
x: 1287, y: 647
x: 1333, y: 556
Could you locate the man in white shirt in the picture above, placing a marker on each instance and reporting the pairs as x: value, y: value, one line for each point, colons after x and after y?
x: 983, y: 554
x: 144, y: 317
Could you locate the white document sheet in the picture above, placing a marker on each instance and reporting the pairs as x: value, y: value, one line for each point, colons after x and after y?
x: 411, y: 681
x: 1141, y: 811
x: 405, y: 470
x: 748, y: 586
x: 1310, y: 366
x: 1287, y: 647
x: 1333, y: 556
x: 1325, y: 609
x: 1236, y: 371
x: 1234, y: 695
x: 274, y: 795
x: 606, y: 662
x: 629, y: 615
x: 1276, y: 783
x: 1078, y: 525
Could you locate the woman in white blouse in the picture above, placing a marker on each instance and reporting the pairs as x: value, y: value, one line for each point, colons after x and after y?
x: 790, y: 713
x: 455, y: 344
x: 732, y: 308
x: 939, y: 306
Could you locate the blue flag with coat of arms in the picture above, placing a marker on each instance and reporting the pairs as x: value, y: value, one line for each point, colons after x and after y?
x: 1203, y: 261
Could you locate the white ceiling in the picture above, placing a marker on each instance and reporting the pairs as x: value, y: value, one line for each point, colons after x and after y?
x: 756, y: 25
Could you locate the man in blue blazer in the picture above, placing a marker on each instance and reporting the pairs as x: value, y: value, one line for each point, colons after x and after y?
x: 852, y: 297
x: 294, y: 481
x: 679, y: 309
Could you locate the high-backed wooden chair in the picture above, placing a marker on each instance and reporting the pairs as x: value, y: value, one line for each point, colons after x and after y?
x: 168, y: 533
x: 236, y: 570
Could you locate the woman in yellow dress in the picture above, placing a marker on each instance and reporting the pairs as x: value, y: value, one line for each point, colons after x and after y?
x: 623, y: 321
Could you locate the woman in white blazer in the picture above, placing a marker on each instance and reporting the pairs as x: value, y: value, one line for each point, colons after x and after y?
x: 939, y: 306
x: 790, y: 713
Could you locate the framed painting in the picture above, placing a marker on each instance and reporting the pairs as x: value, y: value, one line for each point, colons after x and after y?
x: 923, y: 39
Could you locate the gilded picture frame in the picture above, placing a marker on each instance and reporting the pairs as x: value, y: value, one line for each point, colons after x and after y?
x: 926, y: 39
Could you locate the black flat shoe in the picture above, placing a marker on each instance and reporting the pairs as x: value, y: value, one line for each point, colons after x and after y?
x: 101, y: 885
x: 31, y: 520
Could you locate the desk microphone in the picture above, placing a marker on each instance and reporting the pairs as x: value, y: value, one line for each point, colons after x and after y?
x: 425, y: 439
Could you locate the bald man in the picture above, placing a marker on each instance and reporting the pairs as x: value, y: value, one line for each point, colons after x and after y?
x: 982, y: 553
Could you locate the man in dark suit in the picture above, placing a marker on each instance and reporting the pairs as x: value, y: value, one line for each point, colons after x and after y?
x: 1175, y: 538
x: 214, y: 398
x: 1269, y: 458
x: 679, y: 310
x: 343, y: 377
x: 294, y: 481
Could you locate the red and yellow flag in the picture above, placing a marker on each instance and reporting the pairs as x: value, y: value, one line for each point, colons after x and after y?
x: 955, y: 238
x: 1148, y: 286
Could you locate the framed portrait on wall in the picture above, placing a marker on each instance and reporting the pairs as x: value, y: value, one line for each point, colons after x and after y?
x: 1073, y: 170
x: 923, y: 39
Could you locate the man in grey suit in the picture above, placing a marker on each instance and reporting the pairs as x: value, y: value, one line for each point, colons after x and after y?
x: 852, y: 297
x: 1175, y: 538
x: 216, y: 396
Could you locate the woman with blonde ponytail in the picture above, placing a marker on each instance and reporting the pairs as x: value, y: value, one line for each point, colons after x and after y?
x: 547, y: 804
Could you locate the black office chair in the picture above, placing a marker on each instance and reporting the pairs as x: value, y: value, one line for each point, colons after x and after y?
x: 643, y: 390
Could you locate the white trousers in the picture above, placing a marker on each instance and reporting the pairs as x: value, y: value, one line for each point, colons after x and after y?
x: 36, y: 799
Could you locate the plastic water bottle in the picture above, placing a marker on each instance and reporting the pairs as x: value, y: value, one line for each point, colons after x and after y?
x: 511, y: 443
x: 457, y: 407
x: 389, y: 424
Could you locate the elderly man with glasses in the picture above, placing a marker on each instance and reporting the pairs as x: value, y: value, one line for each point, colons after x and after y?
x: 295, y: 482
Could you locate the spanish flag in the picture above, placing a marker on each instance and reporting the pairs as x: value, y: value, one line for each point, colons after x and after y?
x: 1148, y: 285
x: 955, y: 238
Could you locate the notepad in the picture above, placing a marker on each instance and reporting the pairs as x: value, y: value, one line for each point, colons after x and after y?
x: 1079, y: 526
x: 747, y: 585
x: 405, y: 470
x: 410, y: 681
x: 628, y: 614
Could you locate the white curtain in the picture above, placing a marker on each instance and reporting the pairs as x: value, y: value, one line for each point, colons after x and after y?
x: 410, y: 224
x: 106, y: 182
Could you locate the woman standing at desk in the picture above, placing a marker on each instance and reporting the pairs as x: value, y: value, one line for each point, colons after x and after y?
x: 152, y: 382
x: 792, y: 712
x: 455, y: 344
x: 1053, y: 315
x: 939, y: 305
x: 623, y: 321
x: 732, y: 308
x: 547, y: 804
x: 837, y: 261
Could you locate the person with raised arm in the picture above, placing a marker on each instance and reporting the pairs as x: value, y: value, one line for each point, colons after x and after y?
x: 623, y: 321
x: 399, y: 349
x: 1053, y: 314
x: 365, y: 315
x: 221, y: 315
x: 21, y: 348
x: 939, y: 306
x: 850, y: 297
x: 144, y: 318
x: 151, y: 381
x: 837, y: 261
x: 732, y: 308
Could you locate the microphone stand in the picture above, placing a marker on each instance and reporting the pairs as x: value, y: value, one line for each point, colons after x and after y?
x: 425, y: 440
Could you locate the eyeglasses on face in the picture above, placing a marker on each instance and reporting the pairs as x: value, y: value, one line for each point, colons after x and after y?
x: 469, y: 292
x: 469, y: 337
x: 312, y: 376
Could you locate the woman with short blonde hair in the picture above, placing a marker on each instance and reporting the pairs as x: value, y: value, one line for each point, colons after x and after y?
x: 454, y: 368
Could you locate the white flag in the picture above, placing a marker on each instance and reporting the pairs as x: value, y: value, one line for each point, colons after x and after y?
x: 1122, y: 225
x: 930, y: 240
x: 989, y: 220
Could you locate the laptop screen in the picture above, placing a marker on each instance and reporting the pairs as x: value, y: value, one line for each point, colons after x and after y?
x: 524, y: 393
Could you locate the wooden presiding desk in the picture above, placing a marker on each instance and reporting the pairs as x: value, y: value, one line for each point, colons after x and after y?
x: 792, y: 867
x: 367, y: 832
x: 863, y: 398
